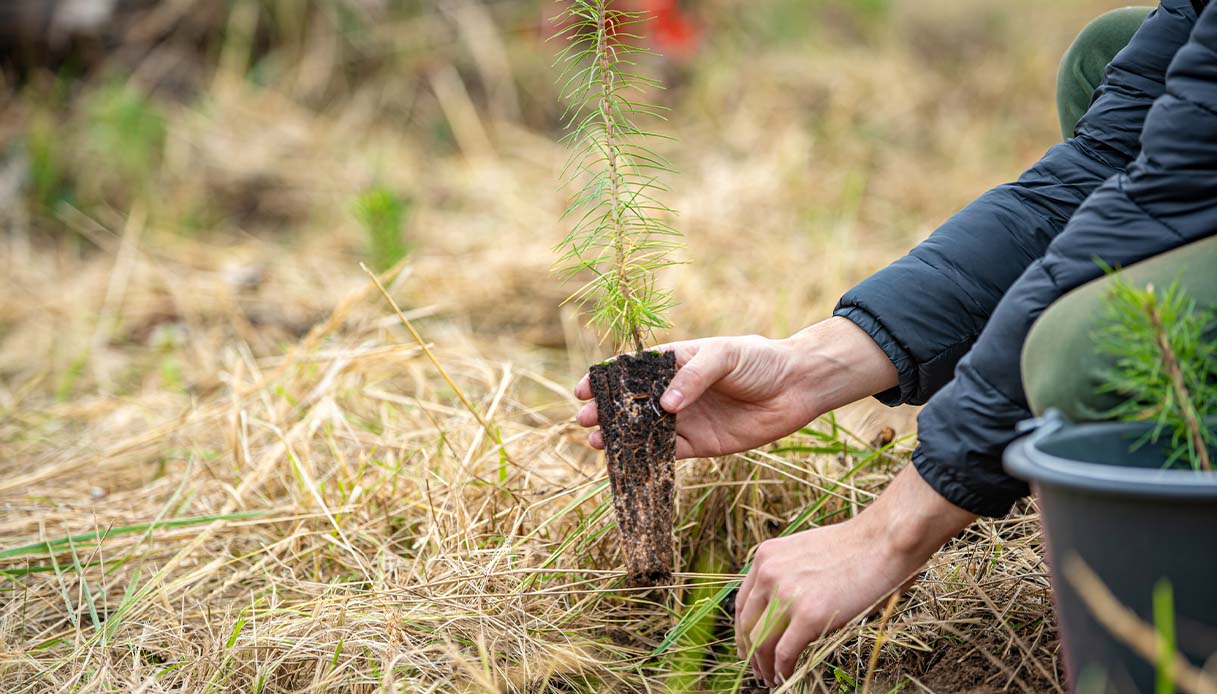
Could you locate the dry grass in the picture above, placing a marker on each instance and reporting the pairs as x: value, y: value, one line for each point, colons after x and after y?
x: 224, y: 466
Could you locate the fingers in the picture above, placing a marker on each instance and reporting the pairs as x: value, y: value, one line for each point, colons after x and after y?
x: 762, y: 659
x: 767, y: 632
x: 762, y: 662
x: 741, y: 601
x: 588, y: 415
x: 706, y: 367
x: 684, y: 349
x: 759, y: 617
x: 790, y: 646
x: 684, y: 352
x: 684, y: 449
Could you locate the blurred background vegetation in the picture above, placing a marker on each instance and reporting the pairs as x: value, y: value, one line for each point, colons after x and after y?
x: 187, y: 188
x: 835, y: 132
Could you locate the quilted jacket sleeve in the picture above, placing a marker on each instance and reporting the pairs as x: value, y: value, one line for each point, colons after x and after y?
x: 926, y: 309
x: 1167, y: 197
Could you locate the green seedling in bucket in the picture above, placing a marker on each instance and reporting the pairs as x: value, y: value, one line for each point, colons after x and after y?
x: 1165, y: 367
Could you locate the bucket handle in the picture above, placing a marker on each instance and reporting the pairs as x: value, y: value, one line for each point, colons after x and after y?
x: 1050, y: 422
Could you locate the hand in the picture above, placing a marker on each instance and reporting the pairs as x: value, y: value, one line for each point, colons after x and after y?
x: 732, y: 394
x: 811, y: 583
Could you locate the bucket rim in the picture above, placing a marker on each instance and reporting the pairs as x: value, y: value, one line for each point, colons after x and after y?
x: 1026, y: 460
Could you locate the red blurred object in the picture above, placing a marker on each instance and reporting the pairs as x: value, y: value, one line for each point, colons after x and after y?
x: 674, y: 33
x: 669, y: 31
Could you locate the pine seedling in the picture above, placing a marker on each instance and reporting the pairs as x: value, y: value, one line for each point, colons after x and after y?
x: 382, y: 214
x: 619, y: 237
x: 1165, y: 367
x: 620, y: 240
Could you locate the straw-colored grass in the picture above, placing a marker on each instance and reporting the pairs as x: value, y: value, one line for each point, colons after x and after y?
x: 226, y: 466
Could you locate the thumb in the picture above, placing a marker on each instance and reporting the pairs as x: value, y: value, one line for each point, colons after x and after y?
x: 693, y: 379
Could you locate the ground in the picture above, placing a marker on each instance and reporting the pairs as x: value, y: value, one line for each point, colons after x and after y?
x: 225, y: 464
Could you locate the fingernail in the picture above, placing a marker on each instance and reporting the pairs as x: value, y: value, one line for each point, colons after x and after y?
x: 672, y: 400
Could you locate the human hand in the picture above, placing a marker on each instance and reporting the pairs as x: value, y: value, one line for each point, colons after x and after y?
x: 811, y: 583
x: 732, y: 394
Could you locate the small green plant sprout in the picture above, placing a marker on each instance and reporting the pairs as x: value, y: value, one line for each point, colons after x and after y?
x: 620, y: 238
x: 1165, y: 366
x: 382, y: 213
x: 49, y: 184
x: 127, y: 130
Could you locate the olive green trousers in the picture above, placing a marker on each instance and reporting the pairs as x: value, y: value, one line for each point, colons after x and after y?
x: 1061, y: 367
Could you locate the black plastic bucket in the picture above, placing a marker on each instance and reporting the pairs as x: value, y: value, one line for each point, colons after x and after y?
x: 1133, y: 523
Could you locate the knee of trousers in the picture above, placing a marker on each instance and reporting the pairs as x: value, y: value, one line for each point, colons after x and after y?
x: 1081, y: 68
x: 1061, y: 365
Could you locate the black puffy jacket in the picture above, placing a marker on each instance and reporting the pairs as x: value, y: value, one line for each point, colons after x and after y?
x: 1138, y: 178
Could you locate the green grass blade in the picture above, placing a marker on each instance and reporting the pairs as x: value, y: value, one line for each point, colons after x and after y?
x: 48, y: 547
x: 1164, y: 625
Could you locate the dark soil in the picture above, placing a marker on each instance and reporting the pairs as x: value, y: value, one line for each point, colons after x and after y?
x: 965, y: 673
x: 640, y: 449
x: 964, y: 668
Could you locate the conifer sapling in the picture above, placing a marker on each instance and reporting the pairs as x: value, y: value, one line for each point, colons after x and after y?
x: 1165, y: 367
x: 618, y: 242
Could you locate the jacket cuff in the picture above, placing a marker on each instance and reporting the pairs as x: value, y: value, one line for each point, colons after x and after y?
x: 964, y: 493
x: 962, y: 434
x: 905, y: 367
